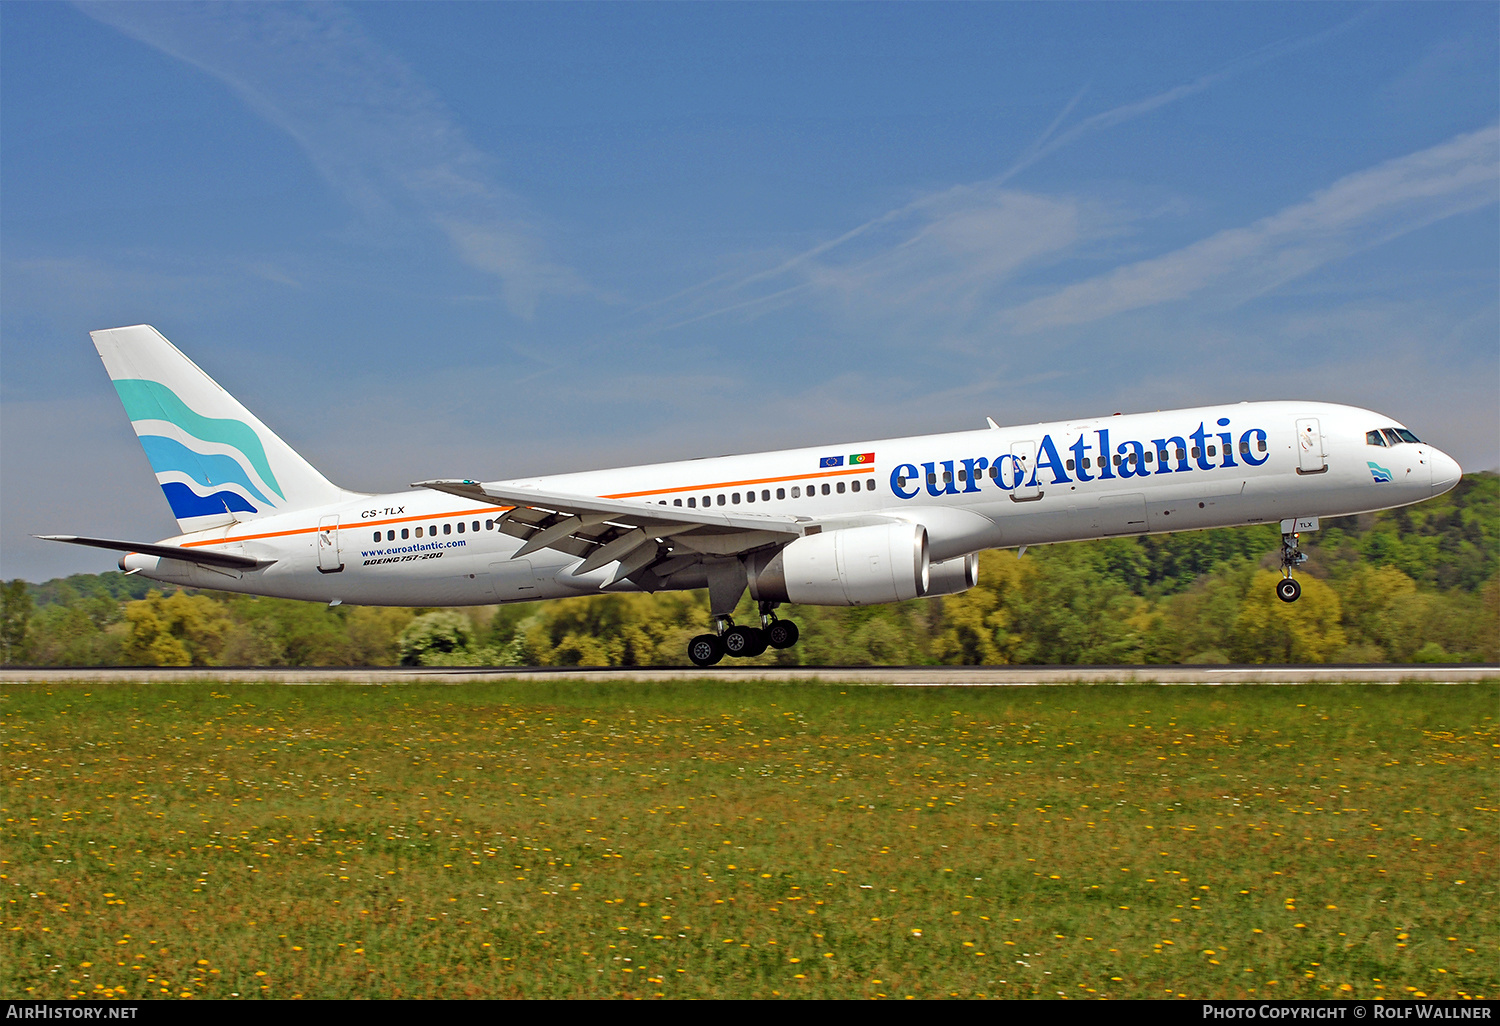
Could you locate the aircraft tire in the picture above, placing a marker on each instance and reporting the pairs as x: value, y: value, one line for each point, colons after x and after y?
x: 782, y: 634
x: 744, y: 642
x: 1288, y: 590
x: 705, y: 650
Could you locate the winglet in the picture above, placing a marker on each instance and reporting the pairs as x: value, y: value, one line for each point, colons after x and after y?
x: 991, y: 422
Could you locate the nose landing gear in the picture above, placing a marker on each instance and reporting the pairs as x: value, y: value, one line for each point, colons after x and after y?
x: 1287, y: 589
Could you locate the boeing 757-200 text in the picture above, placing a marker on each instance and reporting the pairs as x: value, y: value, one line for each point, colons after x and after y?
x: 852, y: 524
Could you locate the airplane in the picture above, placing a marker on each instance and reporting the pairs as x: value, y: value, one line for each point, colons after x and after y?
x: 840, y: 525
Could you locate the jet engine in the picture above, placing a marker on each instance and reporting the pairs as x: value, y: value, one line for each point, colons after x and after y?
x: 855, y: 566
x: 952, y: 576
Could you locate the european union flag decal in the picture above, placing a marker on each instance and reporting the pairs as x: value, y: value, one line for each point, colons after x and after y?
x: 831, y: 461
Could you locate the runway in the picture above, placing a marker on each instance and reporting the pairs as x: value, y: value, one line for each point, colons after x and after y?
x: 905, y: 676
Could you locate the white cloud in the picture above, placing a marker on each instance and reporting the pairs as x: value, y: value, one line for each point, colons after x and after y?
x: 372, y: 129
x: 1358, y: 211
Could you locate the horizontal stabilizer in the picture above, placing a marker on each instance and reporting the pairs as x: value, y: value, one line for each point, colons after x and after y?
x: 205, y: 557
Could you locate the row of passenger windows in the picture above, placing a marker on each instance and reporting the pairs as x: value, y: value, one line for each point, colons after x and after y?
x: 708, y: 500
x: 1390, y: 436
x: 432, y: 530
x: 734, y: 498
x: 1164, y: 455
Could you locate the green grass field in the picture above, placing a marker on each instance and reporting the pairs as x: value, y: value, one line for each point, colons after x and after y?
x: 576, y: 839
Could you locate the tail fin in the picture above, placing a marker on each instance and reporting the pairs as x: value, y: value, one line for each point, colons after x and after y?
x: 216, y: 462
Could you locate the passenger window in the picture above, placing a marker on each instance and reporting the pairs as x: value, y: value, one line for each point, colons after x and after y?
x: 1213, y: 450
x: 447, y: 528
x: 405, y: 533
x: 377, y: 535
x: 1087, y: 463
x: 390, y: 536
x: 736, y: 498
x: 432, y: 530
x: 708, y: 500
x: 678, y: 502
x: 995, y: 471
x: 841, y: 488
x: 1148, y: 456
x: 1260, y: 443
x: 961, y: 476
x: 796, y: 492
x: 460, y: 527
x: 900, y: 482
x: 692, y: 502
x: 1195, y: 452
x: 765, y: 495
x: 721, y: 498
x: 780, y: 493
x: 1182, y: 455
x: 932, y: 479
x: 1117, y: 459
x: 419, y: 533
x: 825, y: 489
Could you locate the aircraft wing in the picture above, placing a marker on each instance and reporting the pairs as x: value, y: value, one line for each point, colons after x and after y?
x: 205, y: 557
x: 637, y: 534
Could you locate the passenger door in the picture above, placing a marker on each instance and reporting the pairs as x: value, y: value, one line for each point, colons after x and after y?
x: 328, y: 546
x: 1028, y: 489
x: 1311, y: 459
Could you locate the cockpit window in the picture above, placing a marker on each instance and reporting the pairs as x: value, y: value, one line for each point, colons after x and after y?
x: 1407, y: 436
x: 1391, y: 436
x: 1373, y: 438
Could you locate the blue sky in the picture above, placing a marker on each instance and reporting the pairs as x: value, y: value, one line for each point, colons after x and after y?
x: 493, y: 240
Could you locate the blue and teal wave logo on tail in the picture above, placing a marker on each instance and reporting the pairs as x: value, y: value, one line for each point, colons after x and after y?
x: 1379, y: 473
x: 151, y: 400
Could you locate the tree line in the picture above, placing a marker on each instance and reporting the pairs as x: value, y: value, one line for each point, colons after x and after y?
x: 1418, y: 584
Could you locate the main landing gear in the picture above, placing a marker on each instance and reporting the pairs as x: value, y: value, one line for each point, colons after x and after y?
x: 1287, y: 589
x: 742, y: 642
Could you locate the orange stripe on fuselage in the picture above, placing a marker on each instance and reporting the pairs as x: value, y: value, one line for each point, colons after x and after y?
x: 344, y: 527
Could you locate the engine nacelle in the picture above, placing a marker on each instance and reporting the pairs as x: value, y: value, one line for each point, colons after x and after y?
x: 952, y: 576
x: 856, y: 566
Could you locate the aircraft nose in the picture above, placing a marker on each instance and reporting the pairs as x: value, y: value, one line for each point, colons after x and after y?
x: 1445, y: 472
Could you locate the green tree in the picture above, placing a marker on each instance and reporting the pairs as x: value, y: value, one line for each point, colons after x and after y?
x: 15, y: 619
x: 1269, y: 630
x: 179, y: 630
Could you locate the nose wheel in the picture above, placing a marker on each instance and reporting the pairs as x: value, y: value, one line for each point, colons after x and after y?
x: 1292, y: 556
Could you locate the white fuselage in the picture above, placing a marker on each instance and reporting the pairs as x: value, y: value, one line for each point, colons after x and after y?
x: 1246, y: 463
